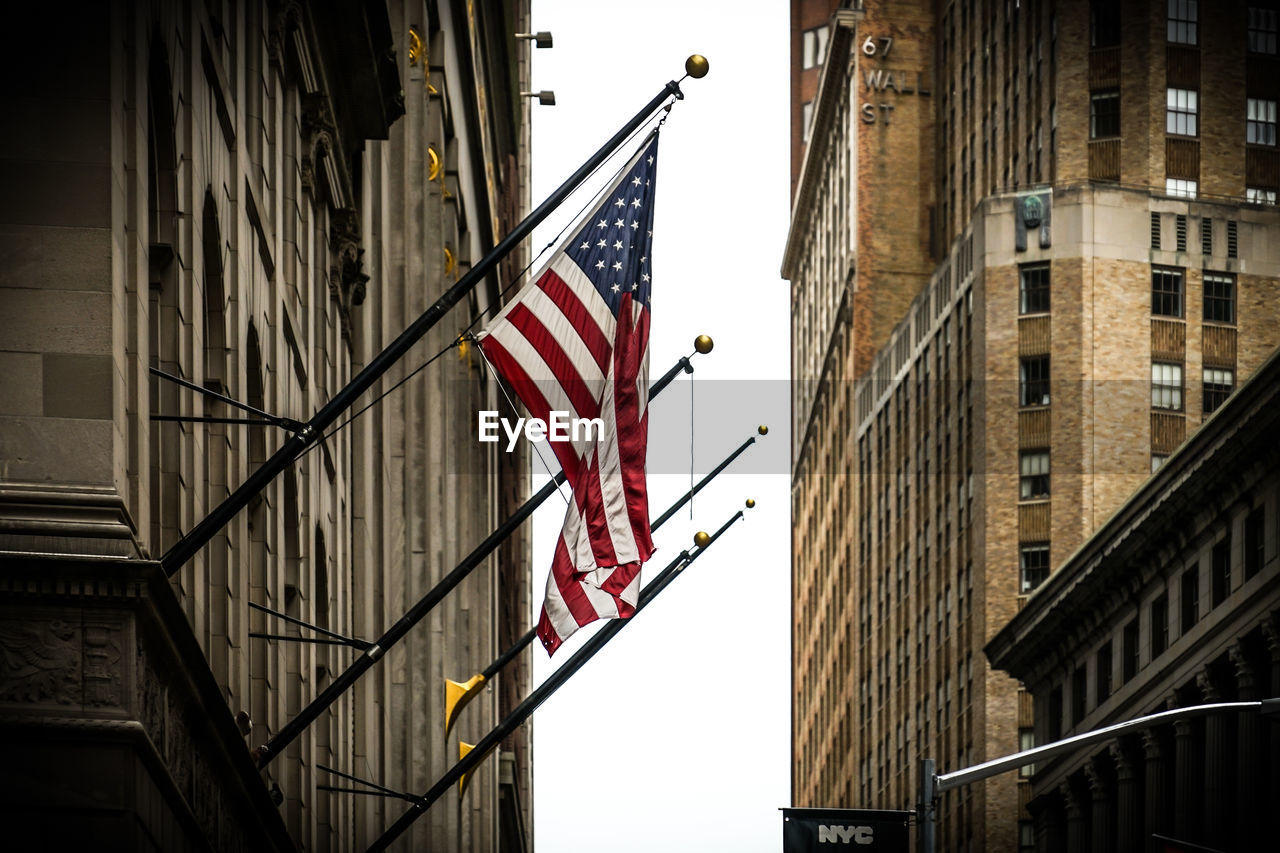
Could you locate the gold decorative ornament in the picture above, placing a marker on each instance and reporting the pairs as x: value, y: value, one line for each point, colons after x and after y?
x: 433, y: 169
x: 457, y: 695
x: 751, y: 503
x: 703, y: 344
x: 697, y: 66
x: 450, y: 262
x: 762, y: 429
x: 702, y: 539
x: 415, y: 47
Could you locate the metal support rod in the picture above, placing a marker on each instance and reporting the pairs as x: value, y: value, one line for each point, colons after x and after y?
x: 358, y: 667
x: 931, y: 785
x: 381, y: 789
x: 315, y: 641
x: 208, y: 419
x: 288, y: 423
x: 301, y: 624
x: 186, y: 547
x: 521, y: 644
x: 554, y: 681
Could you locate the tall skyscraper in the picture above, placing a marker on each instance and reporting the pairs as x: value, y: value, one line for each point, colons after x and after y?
x: 1033, y: 246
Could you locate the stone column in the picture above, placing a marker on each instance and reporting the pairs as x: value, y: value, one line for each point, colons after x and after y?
x: 1189, y: 780
x: 1217, y: 788
x: 1156, y: 807
x: 1248, y: 742
x: 1128, y: 804
x: 1050, y: 820
x: 1102, y: 831
x: 1077, y: 832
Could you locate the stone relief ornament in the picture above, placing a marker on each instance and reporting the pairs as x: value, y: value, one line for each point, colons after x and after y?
x: 40, y: 662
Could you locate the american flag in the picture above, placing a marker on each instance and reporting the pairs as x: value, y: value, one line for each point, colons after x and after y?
x: 576, y: 340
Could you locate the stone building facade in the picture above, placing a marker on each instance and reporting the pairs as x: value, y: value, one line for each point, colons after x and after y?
x: 1066, y: 302
x: 255, y: 198
x: 1175, y: 601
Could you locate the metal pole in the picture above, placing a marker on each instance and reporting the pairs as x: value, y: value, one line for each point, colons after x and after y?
x: 186, y: 547
x: 263, y: 754
x: 544, y: 691
x: 926, y: 809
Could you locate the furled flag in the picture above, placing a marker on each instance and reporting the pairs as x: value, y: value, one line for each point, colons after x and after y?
x: 576, y: 340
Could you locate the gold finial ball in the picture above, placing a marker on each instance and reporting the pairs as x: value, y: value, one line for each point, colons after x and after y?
x: 697, y: 66
x: 751, y: 503
x: 702, y: 539
x: 762, y: 429
x: 703, y: 344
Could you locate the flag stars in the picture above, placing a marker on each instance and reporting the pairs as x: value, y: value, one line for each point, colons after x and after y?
x: 635, y: 181
x: 585, y: 246
x: 601, y: 243
x: 619, y: 203
x: 617, y: 265
x: 619, y: 223
x: 635, y: 202
x: 634, y: 225
x: 617, y: 244
x: 644, y: 276
x: 616, y: 288
x: 602, y: 224
x: 599, y: 265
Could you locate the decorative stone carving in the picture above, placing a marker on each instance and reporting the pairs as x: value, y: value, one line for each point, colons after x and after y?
x: 40, y: 662
x: 347, y: 280
x: 102, y: 670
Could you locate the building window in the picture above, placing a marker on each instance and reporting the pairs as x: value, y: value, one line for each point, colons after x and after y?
x: 1219, y: 382
x: 1166, y: 292
x: 1035, y: 566
x: 1055, y: 713
x: 814, y: 46
x: 1034, y: 482
x: 1026, y: 836
x: 1183, y: 17
x: 806, y: 119
x: 1181, y: 111
x: 1190, y: 598
x: 1259, y: 195
x: 1219, y: 298
x: 1026, y: 740
x: 1262, y: 30
x: 1104, y: 23
x: 1180, y: 187
x: 1166, y: 386
x: 1254, y: 543
x: 1130, y: 651
x: 1034, y: 378
x: 1159, y: 625
x: 1221, y: 570
x: 1079, y: 695
x: 1158, y: 459
x: 1104, y: 114
x: 1034, y: 289
x: 1102, y: 672
x: 1260, y: 121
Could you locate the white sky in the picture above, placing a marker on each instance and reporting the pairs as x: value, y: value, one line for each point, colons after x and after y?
x: 675, y: 737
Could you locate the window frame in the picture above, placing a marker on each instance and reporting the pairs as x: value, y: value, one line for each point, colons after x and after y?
x: 1110, y: 97
x: 1168, y: 301
x: 1033, y: 289
x: 1034, y: 391
x: 1220, y: 306
x: 1182, y: 111
x: 1261, y: 34
x: 1165, y: 395
x: 1181, y: 187
x: 813, y: 47
x: 1260, y: 195
x: 1260, y: 122
x: 1182, y: 22
x: 1033, y: 486
x: 806, y: 121
x: 1025, y: 570
x: 1216, y: 392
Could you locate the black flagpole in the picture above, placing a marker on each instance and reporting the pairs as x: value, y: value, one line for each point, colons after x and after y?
x: 263, y: 754
x: 471, y: 687
x: 544, y: 690
x: 186, y: 547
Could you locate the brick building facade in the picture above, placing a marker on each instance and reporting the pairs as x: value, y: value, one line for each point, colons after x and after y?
x: 1035, y: 310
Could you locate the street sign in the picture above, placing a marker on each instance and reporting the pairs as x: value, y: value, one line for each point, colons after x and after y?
x: 860, y: 830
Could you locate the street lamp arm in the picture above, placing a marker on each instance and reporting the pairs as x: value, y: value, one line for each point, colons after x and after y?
x: 996, y: 766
